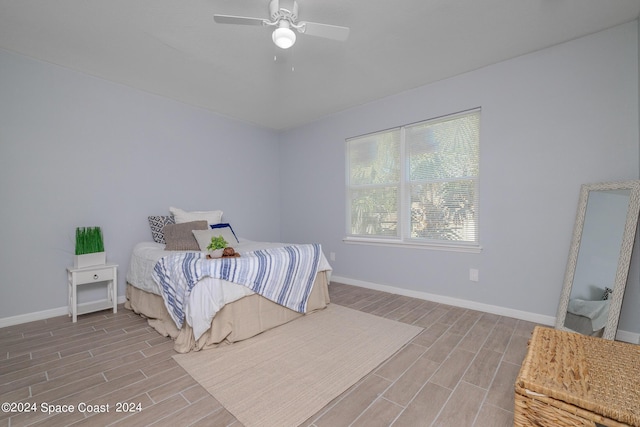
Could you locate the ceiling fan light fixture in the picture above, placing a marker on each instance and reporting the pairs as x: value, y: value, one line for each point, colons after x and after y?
x: 283, y: 19
x: 283, y: 36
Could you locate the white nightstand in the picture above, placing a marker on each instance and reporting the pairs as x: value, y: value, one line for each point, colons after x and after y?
x: 107, y: 273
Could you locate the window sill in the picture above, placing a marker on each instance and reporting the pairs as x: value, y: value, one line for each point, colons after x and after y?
x: 412, y: 245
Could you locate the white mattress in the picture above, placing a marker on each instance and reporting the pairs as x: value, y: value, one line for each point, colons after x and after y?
x: 210, y: 294
x: 143, y: 259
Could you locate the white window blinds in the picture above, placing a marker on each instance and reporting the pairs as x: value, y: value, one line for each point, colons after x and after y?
x: 417, y: 183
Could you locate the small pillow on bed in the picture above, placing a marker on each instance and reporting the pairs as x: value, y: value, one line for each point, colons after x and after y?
x: 179, y: 237
x: 203, y: 237
x: 157, y: 223
x: 212, y: 217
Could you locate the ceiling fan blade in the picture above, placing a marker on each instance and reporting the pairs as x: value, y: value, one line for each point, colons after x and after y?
x: 240, y: 20
x: 327, y: 31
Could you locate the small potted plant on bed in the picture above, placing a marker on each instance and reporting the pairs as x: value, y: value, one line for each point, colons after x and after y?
x: 89, y: 247
x: 216, y: 247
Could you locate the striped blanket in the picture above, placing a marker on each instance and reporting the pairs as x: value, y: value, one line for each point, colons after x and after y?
x: 284, y: 275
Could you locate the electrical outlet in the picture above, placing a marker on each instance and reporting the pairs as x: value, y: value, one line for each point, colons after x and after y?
x: 474, y: 274
x: 332, y: 256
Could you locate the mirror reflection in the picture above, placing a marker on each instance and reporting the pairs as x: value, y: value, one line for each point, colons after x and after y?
x: 599, y: 257
x: 594, y: 278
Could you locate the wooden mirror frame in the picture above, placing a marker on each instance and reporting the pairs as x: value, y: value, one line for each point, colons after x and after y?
x: 624, y: 258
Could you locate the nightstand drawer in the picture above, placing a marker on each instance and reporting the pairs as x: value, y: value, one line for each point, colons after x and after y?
x: 95, y: 275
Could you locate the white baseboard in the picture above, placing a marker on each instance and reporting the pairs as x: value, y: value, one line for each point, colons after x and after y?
x: 541, y: 319
x: 621, y: 335
x: 627, y: 336
x: 46, y: 314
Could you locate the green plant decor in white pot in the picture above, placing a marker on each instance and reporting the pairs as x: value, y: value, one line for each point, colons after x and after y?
x: 216, y: 247
x: 89, y: 247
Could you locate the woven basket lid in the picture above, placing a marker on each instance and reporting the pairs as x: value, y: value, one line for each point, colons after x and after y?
x: 591, y: 373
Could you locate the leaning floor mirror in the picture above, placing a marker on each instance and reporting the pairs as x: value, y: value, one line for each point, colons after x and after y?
x: 599, y: 258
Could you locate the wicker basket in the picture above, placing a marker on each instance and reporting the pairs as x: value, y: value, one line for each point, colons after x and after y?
x: 568, y: 379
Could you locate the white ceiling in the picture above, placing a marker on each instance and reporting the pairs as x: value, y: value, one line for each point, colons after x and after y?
x: 174, y: 49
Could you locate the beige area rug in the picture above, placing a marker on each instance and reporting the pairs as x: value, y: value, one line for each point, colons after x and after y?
x: 287, y: 374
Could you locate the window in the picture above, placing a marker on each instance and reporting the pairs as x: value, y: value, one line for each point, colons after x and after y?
x: 416, y: 184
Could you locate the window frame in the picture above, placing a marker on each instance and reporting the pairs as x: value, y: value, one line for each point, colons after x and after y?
x: 404, y: 199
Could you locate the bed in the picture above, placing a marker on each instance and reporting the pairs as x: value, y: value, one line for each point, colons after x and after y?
x: 587, y: 317
x: 216, y: 311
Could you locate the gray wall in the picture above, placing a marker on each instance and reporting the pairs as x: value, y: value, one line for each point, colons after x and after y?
x: 551, y: 121
x: 76, y: 151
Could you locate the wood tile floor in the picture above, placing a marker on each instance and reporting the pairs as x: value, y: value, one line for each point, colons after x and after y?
x: 458, y: 372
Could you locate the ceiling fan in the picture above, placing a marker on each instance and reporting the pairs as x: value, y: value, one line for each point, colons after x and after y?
x: 285, y: 20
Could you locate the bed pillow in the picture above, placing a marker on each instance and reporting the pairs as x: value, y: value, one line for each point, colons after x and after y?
x: 179, y: 237
x: 157, y: 223
x: 212, y: 217
x: 203, y: 237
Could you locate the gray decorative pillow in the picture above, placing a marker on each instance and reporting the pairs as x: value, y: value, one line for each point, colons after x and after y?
x: 179, y: 237
x: 157, y: 223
